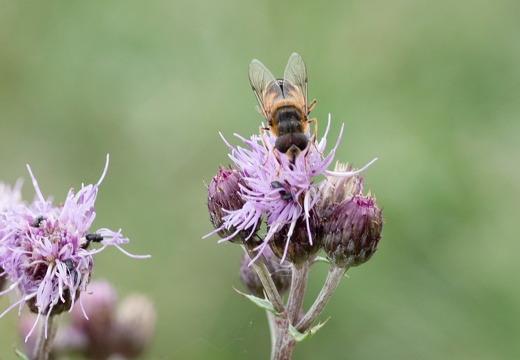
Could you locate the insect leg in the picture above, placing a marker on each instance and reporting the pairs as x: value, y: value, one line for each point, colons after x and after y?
x: 311, y: 106
x: 262, y: 129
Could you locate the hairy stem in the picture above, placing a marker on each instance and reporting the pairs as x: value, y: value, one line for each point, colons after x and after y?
x: 331, y: 283
x: 272, y: 329
x: 46, y: 339
x: 300, y: 274
x: 284, y: 345
x: 267, y: 282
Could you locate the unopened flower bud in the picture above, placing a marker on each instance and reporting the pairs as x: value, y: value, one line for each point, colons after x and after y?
x: 224, y: 194
x: 337, y: 189
x: 280, y: 273
x: 300, y: 248
x: 112, y: 330
x: 135, y: 325
x: 352, y: 232
x: 99, y: 303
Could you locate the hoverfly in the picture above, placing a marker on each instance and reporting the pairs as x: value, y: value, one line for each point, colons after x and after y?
x: 283, y: 103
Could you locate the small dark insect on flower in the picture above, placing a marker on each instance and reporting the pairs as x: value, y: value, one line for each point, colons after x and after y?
x: 93, y: 237
x: 283, y: 192
x: 37, y: 221
x: 70, y: 266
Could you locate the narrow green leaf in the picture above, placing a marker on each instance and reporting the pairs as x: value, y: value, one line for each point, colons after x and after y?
x: 262, y: 303
x: 322, y: 260
x: 21, y: 355
x: 299, y: 337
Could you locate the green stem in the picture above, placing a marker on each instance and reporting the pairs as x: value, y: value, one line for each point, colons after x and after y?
x: 267, y: 282
x: 300, y: 274
x: 331, y: 283
x: 284, y: 345
x: 44, y: 343
x: 272, y: 329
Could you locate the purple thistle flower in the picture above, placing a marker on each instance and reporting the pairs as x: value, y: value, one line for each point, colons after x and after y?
x: 276, y: 190
x: 44, y: 249
x: 10, y: 197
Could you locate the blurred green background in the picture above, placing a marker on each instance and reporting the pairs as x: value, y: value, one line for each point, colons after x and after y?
x: 431, y: 88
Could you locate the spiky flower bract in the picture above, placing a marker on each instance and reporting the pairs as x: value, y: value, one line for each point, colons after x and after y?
x: 353, y: 231
x: 224, y: 194
x: 44, y: 249
x: 353, y: 222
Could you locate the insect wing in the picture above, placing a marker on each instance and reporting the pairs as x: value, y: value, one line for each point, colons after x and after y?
x: 296, y: 74
x: 260, y: 78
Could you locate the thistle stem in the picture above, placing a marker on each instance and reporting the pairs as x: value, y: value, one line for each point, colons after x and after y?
x: 272, y: 329
x: 284, y: 345
x: 267, y: 282
x: 331, y: 283
x: 300, y: 274
x: 45, y: 340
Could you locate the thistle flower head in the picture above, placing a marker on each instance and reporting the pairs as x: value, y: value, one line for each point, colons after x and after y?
x: 44, y: 249
x: 352, y: 231
x: 301, y: 246
x: 135, y: 320
x: 276, y: 190
x: 335, y: 190
x: 9, y: 198
x: 224, y: 195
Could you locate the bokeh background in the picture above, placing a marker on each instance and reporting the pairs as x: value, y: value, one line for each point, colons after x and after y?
x: 431, y: 88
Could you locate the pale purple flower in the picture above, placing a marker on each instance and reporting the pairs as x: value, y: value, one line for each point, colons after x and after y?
x: 44, y: 249
x: 275, y: 190
x: 10, y: 197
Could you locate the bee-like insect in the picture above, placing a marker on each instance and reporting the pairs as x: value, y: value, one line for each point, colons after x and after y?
x: 283, y: 103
